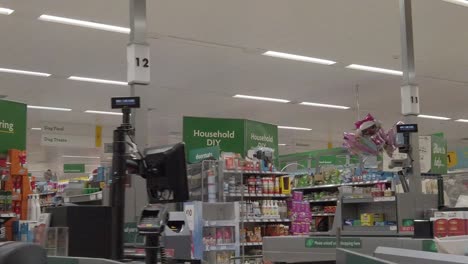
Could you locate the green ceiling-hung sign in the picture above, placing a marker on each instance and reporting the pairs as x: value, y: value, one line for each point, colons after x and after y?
x: 12, y: 126
x: 73, y: 168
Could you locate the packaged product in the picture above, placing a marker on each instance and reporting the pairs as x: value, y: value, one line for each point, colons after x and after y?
x: 367, y: 219
x: 379, y: 217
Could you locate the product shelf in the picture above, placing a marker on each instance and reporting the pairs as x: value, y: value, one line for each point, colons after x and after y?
x: 327, y: 233
x: 220, y: 223
x: 265, y: 220
x: 370, y: 199
x: 221, y: 247
x: 7, y: 215
x: 369, y: 230
x: 256, y: 195
x: 323, y: 200
x: 83, y: 198
x: 327, y: 186
x: 47, y: 193
x: 323, y: 214
x: 246, y: 244
x: 316, y: 187
x: 266, y: 173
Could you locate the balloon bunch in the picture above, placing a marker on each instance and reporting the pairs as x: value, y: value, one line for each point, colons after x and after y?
x: 370, y: 138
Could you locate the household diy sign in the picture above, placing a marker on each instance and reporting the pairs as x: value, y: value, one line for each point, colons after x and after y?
x: 12, y: 126
x: 230, y: 135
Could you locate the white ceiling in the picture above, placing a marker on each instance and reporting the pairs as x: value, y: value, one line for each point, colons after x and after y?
x: 205, y: 51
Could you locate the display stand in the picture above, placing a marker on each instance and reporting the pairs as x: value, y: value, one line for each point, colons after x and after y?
x: 215, y: 230
x: 18, y: 184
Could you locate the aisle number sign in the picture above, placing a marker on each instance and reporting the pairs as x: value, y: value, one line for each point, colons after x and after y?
x: 138, y: 64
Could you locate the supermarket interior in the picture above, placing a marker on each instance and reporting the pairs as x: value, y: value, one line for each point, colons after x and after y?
x: 233, y: 132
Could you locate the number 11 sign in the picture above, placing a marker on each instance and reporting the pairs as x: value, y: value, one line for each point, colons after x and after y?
x: 138, y: 64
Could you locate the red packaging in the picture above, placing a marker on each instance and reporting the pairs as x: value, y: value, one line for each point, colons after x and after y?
x: 230, y: 163
x: 456, y: 227
x: 441, y: 227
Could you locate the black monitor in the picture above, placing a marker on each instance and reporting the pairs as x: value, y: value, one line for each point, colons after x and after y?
x: 166, y: 174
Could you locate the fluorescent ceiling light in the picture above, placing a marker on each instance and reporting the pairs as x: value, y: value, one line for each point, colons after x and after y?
x: 82, y: 23
x: 93, y: 80
x: 462, y: 120
x: 41, y: 74
x: 281, y: 144
x: 434, y: 117
x: 295, y: 128
x: 6, y: 11
x: 36, y: 128
x: 49, y: 108
x: 325, y: 105
x: 374, y: 69
x: 81, y: 157
x: 297, y: 57
x: 102, y: 112
x: 261, y: 98
x: 458, y: 2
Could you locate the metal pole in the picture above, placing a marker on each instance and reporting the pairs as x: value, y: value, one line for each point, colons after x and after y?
x: 410, y: 92
x: 117, y: 190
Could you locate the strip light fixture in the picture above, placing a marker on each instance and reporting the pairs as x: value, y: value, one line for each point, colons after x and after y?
x: 40, y: 74
x: 295, y: 57
x: 434, y: 117
x: 83, y: 23
x: 374, y: 69
x: 295, y: 128
x: 261, y: 98
x: 49, y: 108
x: 36, y: 128
x: 6, y: 11
x: 281, y: 144
x: 325, y: 105
x: 462, y: 120
x: 81, y: 157
x: 458, y: 2
x: 102, y: 112
x: 94, y: 80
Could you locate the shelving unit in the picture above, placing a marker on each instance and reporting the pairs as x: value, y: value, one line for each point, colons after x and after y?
x: 84, y: 198
x: 5, y: 217
x: 238, y: 180
x: 346, y: 202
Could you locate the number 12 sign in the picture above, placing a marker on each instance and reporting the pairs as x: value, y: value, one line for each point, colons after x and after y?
x: 138, y: 64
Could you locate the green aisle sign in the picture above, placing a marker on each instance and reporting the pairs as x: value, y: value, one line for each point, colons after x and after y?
x: 259, y: 134
x: 230, y: 135
x: 73, y: 168
x: 12, y: 126
x: 439, y: 154
x: 330, y: 242
x: 201, y: 132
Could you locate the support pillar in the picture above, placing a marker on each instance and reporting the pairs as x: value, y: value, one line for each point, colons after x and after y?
x: 410, y: 92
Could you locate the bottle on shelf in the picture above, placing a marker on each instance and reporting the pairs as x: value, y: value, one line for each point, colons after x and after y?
x: 37, y: 207
x: 31, y: 208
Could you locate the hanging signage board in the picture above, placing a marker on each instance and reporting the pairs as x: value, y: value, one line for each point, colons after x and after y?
x: 138, y: 64
x: 230, y: 135
x: 439, y: 154
x: 57, y: 140
x: 201, y: 132
x: 12, y: 126
x: 73, y: 168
